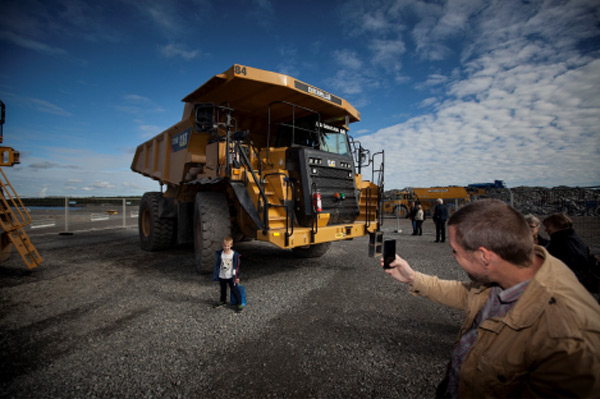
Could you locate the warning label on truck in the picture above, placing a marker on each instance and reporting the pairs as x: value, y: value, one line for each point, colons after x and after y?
x: 317, y: 92
x: 180, y: 140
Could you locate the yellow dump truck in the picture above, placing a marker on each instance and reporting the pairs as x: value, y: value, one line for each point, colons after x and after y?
x: 398, y: 203
x: 264, y: 156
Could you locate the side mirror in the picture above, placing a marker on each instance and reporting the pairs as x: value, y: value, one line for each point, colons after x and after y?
x: 204, y: 117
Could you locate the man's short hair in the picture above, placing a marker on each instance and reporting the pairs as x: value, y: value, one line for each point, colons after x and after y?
x: 559, y: 221
x: 496, y: 226
x: 228, y: 239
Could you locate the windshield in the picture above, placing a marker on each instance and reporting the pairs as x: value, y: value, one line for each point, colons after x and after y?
x: 307, y: 132
x: 334, y: 139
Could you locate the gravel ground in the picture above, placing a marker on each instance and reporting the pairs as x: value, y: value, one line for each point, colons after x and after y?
x: 102, y: 318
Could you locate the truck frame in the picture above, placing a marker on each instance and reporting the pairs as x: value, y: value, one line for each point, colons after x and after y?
x: 260, y: 155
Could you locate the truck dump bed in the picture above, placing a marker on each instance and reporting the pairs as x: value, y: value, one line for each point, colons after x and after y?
x: 250, y: 90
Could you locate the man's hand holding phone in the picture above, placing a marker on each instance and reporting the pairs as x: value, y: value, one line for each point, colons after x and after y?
x: 394, y: 265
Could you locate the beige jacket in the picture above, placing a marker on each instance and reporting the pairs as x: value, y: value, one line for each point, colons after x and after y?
x: 548, y: 345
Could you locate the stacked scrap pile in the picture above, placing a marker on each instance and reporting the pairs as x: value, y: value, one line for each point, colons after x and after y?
x: 573, y: 201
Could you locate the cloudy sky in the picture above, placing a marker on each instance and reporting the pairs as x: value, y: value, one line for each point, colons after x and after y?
x: 456, y: 92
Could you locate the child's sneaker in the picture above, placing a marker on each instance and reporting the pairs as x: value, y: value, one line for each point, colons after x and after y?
x: 218, y: 305
x: 239, y: 308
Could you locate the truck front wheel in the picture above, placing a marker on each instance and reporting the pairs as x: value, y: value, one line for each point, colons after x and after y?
x: 211, y: 225
x: 156, y: 233
x: 314, y: 251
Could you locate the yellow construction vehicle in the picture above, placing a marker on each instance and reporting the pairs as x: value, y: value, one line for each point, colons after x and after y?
x: 398, y: 203
x: 13, y: 215
x: 264, y: 156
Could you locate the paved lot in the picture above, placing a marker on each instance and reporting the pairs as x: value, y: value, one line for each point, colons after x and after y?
x: 101, y: 318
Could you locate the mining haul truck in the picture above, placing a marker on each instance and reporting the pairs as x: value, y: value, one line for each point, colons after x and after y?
x: 259, y: 155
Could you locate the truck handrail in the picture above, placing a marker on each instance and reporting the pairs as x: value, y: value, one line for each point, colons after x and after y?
x: 368, y: 207
x: 257, y: 181
x: 380, y: 183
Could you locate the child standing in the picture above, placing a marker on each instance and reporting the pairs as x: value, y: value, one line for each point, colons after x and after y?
x: 226, y: 272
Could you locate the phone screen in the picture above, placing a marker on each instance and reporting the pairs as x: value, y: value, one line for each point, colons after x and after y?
x: 389, y: 253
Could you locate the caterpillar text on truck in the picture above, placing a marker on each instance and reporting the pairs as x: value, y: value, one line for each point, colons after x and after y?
x: 260, y: 155
x: 13, y: 215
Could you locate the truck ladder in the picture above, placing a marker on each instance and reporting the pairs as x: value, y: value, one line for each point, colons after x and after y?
x: 13, y: 217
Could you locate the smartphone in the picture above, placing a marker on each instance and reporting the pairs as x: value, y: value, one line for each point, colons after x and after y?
x: 389, y: 253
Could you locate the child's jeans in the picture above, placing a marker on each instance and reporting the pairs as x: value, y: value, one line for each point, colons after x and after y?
x: 224, y: 283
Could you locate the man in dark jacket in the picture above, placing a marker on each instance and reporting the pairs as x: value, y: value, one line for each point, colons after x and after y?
x: 440, y: 215
x: 412, y: 214
x: 566, y: 245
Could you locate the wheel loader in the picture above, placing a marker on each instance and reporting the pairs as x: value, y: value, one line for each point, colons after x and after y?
x: 259, y: 155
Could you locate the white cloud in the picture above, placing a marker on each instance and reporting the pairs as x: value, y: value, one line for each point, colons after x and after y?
x: 48, y: 107
x: 31, y: 44
x: 102, y: 185
x: 149, y: 131
x: 524, y: 107
x: 176, y: 50
x: 136, y: 98
x: 348, y: 59
x: 539, y: 132
x: 387, y: 53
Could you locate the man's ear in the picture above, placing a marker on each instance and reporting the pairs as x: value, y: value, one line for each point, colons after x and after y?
x: 485, y: 256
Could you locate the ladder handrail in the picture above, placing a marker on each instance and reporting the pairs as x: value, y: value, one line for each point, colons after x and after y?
x: 286, y: 201
x: 257, y: 180
x: 23, y: 218
x: 13, y: 224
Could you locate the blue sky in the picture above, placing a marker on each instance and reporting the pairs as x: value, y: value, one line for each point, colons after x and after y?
x: 456, y: 92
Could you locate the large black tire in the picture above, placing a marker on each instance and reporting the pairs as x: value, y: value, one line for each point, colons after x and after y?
x: 314, y: 251
x: 401, y: 211
x: 211, y: 224
x: 156, y: 233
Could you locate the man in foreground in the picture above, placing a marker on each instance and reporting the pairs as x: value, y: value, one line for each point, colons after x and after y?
x: 530, y: 328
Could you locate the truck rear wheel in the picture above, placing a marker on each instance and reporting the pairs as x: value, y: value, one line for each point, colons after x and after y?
x: 156, y: 233
x: 211, y: 225
x: 314, y: 251
x: 401, y: 211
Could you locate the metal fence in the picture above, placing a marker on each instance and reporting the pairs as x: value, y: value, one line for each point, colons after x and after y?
x: 71, y: 214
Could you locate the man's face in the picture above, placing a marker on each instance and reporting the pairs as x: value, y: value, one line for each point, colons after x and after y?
x: 467, y: 259
x: 227, y: 246
x: 534, y: 229
x: 550, y: 229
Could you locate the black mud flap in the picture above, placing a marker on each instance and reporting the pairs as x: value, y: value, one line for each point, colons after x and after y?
x: 244, y: 199
x: 375, y: 244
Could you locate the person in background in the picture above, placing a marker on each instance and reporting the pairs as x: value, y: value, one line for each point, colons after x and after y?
x: 530, y: 329
x: 440, y: 215
x: 412, y: 214
x: 534, y: 225
x: 419, y: 218
x: 566, y: 245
